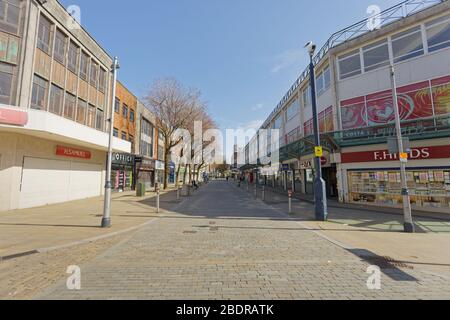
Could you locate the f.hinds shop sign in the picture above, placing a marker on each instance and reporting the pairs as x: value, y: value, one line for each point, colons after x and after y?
x: 422, y: 153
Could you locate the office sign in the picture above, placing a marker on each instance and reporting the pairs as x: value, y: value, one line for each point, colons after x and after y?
x: 123, y: 159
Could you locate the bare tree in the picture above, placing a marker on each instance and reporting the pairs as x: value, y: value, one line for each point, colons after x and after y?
x: 174, y: 107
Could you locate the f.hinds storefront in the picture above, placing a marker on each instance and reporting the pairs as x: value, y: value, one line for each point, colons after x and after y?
x: 373, y: 177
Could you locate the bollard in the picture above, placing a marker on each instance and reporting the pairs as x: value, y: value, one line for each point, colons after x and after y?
x: 157, y: 200
x: 290, y: 202
x: 264, y: 193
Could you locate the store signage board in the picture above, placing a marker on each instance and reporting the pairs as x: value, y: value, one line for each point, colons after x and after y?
x: 73, y: 153
x: 420, y: 153
x: 123, y: 159
x: 13, y: 117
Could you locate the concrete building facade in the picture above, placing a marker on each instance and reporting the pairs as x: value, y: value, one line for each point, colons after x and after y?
x: 55, y: 85
x: 355, y: 110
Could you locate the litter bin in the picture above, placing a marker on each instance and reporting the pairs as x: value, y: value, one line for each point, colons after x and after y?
x: 140, y: 190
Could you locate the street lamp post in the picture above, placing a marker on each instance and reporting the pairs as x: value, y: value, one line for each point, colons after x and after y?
x: 408, y: 220
x: 106, y: 220
x: 320, y: 198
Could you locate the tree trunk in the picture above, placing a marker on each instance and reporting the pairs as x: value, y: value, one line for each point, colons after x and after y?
x: 166, y: 166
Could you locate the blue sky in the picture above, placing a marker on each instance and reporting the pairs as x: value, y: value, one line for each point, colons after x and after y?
x: 242, y: 54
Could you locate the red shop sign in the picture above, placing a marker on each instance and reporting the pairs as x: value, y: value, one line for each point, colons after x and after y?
x: 13, y: 117
x: 72, y: 153
x: 422, y: 153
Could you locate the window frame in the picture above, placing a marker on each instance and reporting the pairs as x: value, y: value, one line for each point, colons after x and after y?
x: 41, y: 44
x: 70, y: 66
x: 445, y: 19
x: 60, y: 44
x: 54, y: 90
x: 37, y: 88
x: 372, y: 47
x: 347, y: 56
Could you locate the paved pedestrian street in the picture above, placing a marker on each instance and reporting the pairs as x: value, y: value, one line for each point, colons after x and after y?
x: 223, y: 244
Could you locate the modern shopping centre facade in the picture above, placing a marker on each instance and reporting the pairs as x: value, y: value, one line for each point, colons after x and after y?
x: 355, y: 109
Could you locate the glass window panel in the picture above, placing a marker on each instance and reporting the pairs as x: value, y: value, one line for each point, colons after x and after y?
x: 439, y: 36
x: 39, y: 94
x: 91, y: 116
x: 81, y: 111
x: 60, y: 47
x: 376, y: 56
x: 100, y: 120
x: 5, y: 86
x: 56, y: 100
x: 73, y: 57
x: 84, y: 64
x: 407, y: 45
x: 350, y: 65
x: 44, y: 32
x: 70, y: 106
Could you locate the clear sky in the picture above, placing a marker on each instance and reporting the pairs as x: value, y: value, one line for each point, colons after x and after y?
x: 242, y: 54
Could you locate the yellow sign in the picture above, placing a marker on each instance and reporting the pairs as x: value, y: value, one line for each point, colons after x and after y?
x: 319, y: 152
x: 403, y: 157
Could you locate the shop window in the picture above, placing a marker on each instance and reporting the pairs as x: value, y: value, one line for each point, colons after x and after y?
x: 56, y: 100
x: 99, y: 120
x: 81, y: 111
x: 438, y: 33
x: 349, y: 64
x: 408, y: 44
x: 60, y: 47
x: 70, y: 106
x: 376, y: 56
x: 39, y: 94
x: 91, y: 117
x: 10, y: 15
x: 428, y: 188
x: 44, y: 35
x: 73, y: 55
x: 84, y: 66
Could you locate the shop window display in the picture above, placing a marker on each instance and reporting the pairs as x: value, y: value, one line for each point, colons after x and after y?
x: 428, y: 188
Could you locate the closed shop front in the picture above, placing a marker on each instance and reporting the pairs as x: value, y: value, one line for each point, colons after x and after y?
x: 145, y: 171
x: 48, y: 181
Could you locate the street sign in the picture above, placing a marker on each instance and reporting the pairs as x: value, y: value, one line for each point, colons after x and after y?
x: 319, y: 152
x: 393, y: 145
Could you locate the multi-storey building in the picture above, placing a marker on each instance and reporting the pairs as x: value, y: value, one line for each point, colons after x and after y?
x: 146, y: 146
x: 55, y: 93
x: 355, y: 106
x: 125, y: 109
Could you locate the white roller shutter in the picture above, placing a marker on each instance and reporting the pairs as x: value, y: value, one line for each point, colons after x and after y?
x: 47, y: 181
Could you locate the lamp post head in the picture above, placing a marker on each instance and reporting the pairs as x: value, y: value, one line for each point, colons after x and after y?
x: 115, y: 64
x: 311, y: 47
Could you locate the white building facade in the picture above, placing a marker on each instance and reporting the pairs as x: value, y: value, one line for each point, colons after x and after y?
x: 355, y: 110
